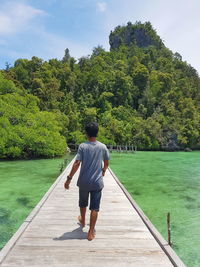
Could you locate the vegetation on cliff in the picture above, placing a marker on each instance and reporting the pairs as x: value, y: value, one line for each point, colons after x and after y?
x: 140, y: 92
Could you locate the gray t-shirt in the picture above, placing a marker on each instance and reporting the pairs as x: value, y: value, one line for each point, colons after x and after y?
x: 91, y: 155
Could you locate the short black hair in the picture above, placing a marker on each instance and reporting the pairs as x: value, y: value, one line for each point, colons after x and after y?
x: 92, y: 129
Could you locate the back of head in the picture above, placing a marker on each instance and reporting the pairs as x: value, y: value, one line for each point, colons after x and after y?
x: 92, y: 129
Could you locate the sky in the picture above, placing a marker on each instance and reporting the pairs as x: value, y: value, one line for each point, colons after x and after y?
x: 45, y: 28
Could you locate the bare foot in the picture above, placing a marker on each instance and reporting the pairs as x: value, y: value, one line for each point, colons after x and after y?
x: 90, y: 236
x: 80, y: 220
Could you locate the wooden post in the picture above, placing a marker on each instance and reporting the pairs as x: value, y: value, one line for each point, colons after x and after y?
x: 169, y: 229
x: 65, y: 162
x: 111, y: 148
x: 61, y: 167
x: 135, y: 149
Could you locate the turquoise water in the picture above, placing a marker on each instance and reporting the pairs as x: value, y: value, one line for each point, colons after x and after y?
x: 162, y: 182
x: 22, y: 185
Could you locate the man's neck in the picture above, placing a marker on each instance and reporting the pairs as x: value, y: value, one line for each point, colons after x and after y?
x: 92, y: 139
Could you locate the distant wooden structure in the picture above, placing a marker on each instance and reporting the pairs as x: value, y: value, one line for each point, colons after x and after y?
x: 116, y: 148
x: 51, y: 237
x: 73, y: 147
x: 122, y: 148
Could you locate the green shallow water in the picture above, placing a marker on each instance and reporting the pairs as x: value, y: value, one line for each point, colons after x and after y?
x: 22, y: 185
x: 162, y: 182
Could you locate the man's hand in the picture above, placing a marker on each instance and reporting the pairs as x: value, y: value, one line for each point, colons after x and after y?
x: 105, y: 167
x: 67, y: 183
x: 103, y: 172
x: 75, y: 167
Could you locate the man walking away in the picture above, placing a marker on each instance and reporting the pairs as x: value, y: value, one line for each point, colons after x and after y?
x: 90, y: 181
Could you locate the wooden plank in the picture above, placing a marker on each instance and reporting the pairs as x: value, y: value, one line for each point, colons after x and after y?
x: 122, y: 257
x: 176, y: 261
x: 50, y: 236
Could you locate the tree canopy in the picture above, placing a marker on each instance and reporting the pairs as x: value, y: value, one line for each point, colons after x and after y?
x: 140, y: 92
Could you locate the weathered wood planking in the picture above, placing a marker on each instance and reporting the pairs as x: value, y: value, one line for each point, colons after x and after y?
x: 51, y: 236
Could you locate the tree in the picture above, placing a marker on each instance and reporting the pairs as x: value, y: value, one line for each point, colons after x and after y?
x: 66, y: 57
x: 139, y: 91
x: 25, y: 131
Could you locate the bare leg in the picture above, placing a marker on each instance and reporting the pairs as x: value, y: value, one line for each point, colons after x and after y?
x: 81, y: 218
x: 93, y: 219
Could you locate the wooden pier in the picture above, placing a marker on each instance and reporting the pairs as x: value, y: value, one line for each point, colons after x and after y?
x: 125, y: 148
x: 51, y: 237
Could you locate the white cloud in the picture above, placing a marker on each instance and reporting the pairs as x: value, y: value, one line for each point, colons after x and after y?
x: 16, y: 17
x: 177, y: 22
x: 19, y: 25
x: 102, y: 6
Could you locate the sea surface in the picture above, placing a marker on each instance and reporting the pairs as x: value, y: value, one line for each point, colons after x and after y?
x: 162, y: 182
x: 22, y: 184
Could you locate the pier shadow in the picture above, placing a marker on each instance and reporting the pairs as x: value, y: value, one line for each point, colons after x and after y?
x: 75, y: 234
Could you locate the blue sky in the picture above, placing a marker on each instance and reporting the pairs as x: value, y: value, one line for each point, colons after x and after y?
x: 44, y: 28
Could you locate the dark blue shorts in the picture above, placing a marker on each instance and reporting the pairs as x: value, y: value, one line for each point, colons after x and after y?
x: 95, y: 197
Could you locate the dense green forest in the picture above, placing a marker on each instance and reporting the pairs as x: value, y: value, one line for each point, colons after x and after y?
x: 140, y: 92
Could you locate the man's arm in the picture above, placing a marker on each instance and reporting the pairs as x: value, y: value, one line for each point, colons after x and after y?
x: 75, y: 167
x: 105, y: 167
